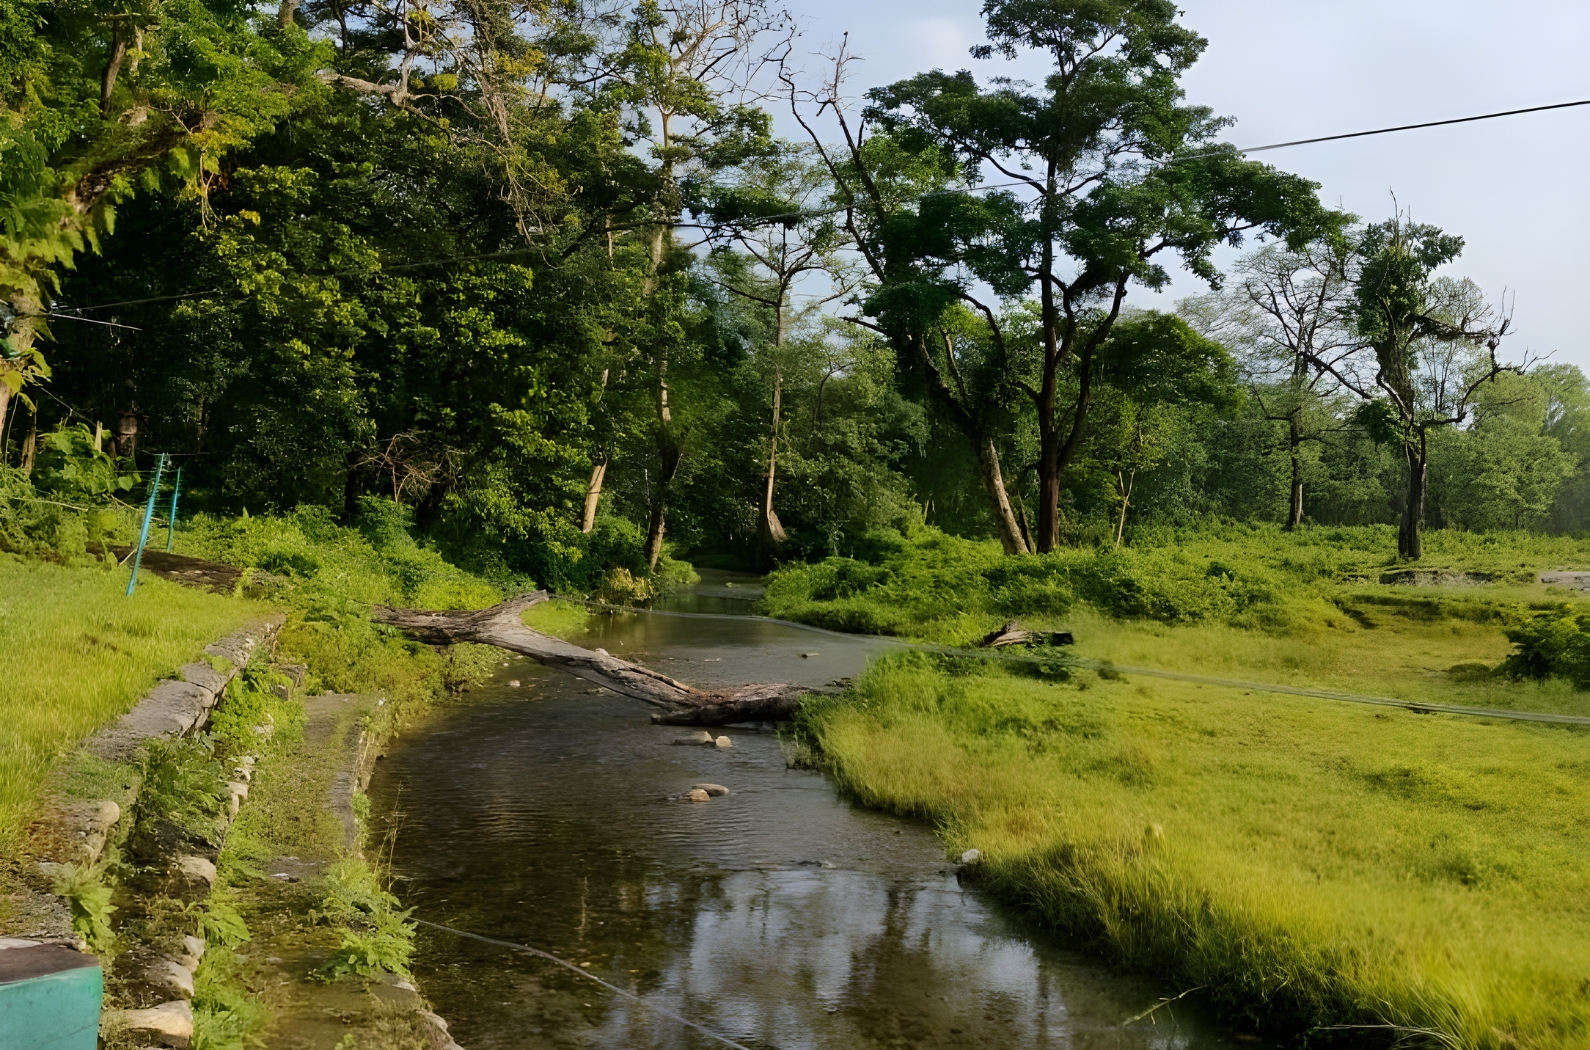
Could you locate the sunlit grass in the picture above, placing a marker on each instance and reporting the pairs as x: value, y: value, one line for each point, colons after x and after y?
x: 78, y: 653
x: 1311, y: 863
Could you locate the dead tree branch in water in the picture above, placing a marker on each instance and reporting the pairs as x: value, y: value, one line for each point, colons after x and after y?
x: 503, y: 626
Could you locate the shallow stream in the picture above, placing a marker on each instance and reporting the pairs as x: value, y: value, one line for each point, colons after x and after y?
x: 780, y: 916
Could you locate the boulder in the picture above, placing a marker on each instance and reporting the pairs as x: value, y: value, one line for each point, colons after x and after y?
x: 192, y: 952
x: 715, y: 790
x: 170, y: 977
x: 170, y: 1023
x: 697, y: 795
x: 723, y: 742
x: 702, y: 737
x: 237, y: 791
x: 971, y: 856
x: 197, y: 872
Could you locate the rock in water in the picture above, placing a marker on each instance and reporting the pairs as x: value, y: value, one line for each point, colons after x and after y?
x: 971, y: 856
x: 702, y: 737
x: 724, y: 741
x: 714, y: 790
x: 697, y: 795
x: 514, y: 684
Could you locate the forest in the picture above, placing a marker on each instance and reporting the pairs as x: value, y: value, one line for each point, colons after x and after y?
x: 1237, y: 639
x: 547, y: 276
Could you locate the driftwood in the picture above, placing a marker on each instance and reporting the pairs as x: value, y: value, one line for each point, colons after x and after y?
x: 1012, y: 634
x: 502, y: 625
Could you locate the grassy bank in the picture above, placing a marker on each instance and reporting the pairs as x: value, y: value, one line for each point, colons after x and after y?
x: 1311, y: 864
x: 78, y: 654
x: 1254, y: 577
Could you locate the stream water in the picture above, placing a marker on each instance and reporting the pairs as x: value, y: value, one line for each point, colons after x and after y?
x: 780, y: 916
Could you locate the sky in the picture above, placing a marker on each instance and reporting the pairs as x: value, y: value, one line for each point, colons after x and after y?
x: 1515, y: 189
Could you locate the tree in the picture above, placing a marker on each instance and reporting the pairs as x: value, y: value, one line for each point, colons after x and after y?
x: 98, y: 100
x: 1285, y: 311
x: 681, y: 70
x: 1427, y: 344
x: 1506, y: 470
x: 1153, y: 370
x: 1113, y: 172
x: 770, y: 211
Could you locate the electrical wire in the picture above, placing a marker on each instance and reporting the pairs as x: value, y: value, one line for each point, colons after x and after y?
x: 1413, y: 127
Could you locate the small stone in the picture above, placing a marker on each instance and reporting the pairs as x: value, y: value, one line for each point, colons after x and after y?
x: 514, y: 684
x: 715, y: 790
x: 971, y: 856
x: 195, y: 870
x: 170, y: 1023
x: 171, y: 977
x: 697, y: 795
x: 808, y: 656
x: 192, y: 953
x: 723, y: 742
x: 702, y: 737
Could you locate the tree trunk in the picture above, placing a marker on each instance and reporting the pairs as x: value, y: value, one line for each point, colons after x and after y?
x: 1010, y: 536
x: 1410, y: 533
x: 670, y: 454
x: 30, y: 445
x: 593, y: 496
x: 1294, y: 513
x: 502, y: 626
x: 107, y: 80
x: 127, y: 434
x: 1124, y: 483
x: 769, y: 530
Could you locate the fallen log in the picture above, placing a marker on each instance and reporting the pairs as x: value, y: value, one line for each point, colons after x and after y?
x: 1013, y: 634
x: 502, y: 625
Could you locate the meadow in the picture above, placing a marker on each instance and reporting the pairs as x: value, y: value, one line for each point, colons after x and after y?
x: 1316, y: 868
x: 79, y: 654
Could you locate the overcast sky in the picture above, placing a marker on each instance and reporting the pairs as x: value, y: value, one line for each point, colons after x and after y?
x: 1515, y: 188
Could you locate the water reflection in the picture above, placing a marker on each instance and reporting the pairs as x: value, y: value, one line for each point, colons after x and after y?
x: 780, y: 916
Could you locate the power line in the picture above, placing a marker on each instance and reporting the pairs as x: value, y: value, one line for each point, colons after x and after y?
x: 1412, y: 127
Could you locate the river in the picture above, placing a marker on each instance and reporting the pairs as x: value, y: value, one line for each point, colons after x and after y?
x: 549, y: 813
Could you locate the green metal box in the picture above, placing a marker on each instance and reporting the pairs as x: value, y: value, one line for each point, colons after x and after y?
x: 50, y: 997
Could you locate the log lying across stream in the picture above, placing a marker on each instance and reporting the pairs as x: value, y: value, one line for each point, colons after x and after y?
x: 503, y: 625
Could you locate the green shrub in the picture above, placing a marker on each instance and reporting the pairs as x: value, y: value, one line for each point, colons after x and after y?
x: 1554, y: 642
x: 376, y: 936
x: 68, y: 467
x: 89, y: 898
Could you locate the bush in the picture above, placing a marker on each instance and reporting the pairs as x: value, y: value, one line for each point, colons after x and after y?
x: 1554, y: 642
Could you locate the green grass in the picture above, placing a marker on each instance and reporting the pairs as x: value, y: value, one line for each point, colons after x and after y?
x: 945, y: 589
x: 1310, y: 863
x: 78, y: 654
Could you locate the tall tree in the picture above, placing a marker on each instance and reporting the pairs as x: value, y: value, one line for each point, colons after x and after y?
x: 684, y: 71
x: 1112, y: 173
x: 772, y: 213
x: 1286, y: 309
x: 1426, y: 346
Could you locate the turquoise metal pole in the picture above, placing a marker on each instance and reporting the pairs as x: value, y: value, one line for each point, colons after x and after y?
x: 149, y: 513
x: 171, y: 523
